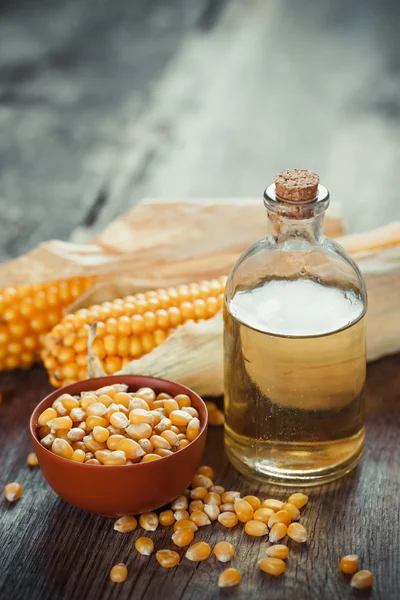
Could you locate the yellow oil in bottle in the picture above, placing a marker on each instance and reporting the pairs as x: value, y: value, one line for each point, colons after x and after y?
x: 294, y: 376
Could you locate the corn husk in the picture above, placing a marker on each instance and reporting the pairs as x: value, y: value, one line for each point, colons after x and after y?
x: 193, y: 355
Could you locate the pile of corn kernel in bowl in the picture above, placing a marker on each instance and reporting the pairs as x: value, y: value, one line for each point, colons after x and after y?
x: 113, y: 427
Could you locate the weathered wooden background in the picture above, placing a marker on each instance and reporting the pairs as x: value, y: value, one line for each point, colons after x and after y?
x: 103, y: 102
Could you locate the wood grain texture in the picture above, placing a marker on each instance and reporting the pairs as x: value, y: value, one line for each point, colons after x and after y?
x: 103, y: 103
x: 52, y: 551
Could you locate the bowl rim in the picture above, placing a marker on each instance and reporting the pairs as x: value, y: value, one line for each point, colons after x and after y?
x: 120, y: 379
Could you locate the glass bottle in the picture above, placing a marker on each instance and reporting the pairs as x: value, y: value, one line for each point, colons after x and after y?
x: 294, y: 345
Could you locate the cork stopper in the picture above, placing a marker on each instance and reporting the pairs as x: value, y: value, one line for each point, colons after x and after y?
x: 296, y: 185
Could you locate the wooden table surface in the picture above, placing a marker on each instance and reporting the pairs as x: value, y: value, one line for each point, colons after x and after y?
x: 103, y: 103
x: 50, y: 550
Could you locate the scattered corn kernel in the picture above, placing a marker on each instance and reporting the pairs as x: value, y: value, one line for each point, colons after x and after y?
x: 185, y: 524
x: 228, y: 519
x: 278, y: 551
x: 292, y: 510
x: 256, y: 528
x: 229, y: 578
x: 32, y: 460
x: 199, y: 551
x: 244, y: 510
x: 166, y: 518
x: 282, y: 516
x: 212, y: 498
x: 200, y: 518
x: 183, y: 537
x: 145, y: 546
x: 167, y: 558
x: 298, y: 499
x: 206, y: 470
x: 216, y: 418
x: 272, y: 566
x: 218, y: 489
x: 263, y: 514
x: 254, y: 502
x: 181, y: 514
x: 212, y: 511
x: 297, y: 532
x: 278, y: 531
x: 118, y: 573
x: 149, y: 521
x: 196, y: 505
x: 273, y: 504
x: 198, y: 493
x: 227, y: 507
x: 202, y: 481
x: 362, y: 580
x: 13, y: 491
x: 349, y: 564
x: 125, y: 524
x: 224, y: 551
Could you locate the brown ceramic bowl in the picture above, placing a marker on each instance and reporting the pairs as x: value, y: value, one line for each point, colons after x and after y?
x: 114, y: 491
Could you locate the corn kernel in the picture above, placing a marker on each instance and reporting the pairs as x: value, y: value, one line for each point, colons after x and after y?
x: 32, y: 460
x: 298, y: 499
x: 146, y: 445
x: 227, y: 507
x: 149, y: 521
x: 193, y: 429
x: 60, y: 423
x: 138, y: 403
x: 183, y: 400
x: 87, y: 400
x: 199, y: 551
x: 122, y: 398
x: 181, y: 514
x: 47, y: 415
x: 216, y: 418
x: 159, y: 442
x: 224, y: 551
x: 93, y: 421
x: 131, y: 448
x: 102, y: 454
x: 150, y: 457
x: 63, y: 434
x: 115, y: 458
x: 230, y: 497
x: 202, y: 481
x: 97, y: 409
x: 244, y: 510
x: 180, y: 418
x: 198, y: 493
x: 181, y: 502
x: 118, y: 573
x: 278, y: 551
x: 170, y: 404
x: 292, y: 510
x: 273, y: 504
x: 196, y: 505
x: 105, y: 399
x: 192, y: 412
x: 183, y: 537
x: 43, y: 431
x: 48, y: 440
x: 297, y: 532
x: 263, y: 514
x: 212, y: 498
x: 138, y: 431
x: 278, y: 531
x: 171, y: 438
x: 62, y: 448
x: 167, y: 558
x: 217, y: 489
x: 77, y: 414
x: 166, y: 518
x: 119, y: 419
x: 228, y: 519
x: 185, y: 524
x: 59, y: 407
x: 349, y: 564
x: 212, y: 511
x: 255, y: 528
x: 78, y: 456
x: 229, y: 578
x: 13, y: 491
x: 282, y: 516
x: 200, y: 518
x: 362, y: 580
x: 100, y: 434
x: 91, y: 444
x: 272, y: 566
x: 125, y: 524
x: 145, y: 546
x: 141, y: 415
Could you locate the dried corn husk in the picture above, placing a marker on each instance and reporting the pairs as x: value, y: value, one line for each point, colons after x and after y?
x: 193, y: 355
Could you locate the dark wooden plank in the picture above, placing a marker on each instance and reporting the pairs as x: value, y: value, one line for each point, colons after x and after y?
x: 50, y: 550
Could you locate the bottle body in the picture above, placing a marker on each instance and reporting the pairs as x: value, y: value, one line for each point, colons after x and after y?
x: 295, y: 358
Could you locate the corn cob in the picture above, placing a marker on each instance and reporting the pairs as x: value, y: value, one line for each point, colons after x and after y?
x: 127, y: 328
x: 27, y: 313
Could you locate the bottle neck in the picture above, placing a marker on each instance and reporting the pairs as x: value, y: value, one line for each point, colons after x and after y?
x: 282, y: 229
x: 296, y: 221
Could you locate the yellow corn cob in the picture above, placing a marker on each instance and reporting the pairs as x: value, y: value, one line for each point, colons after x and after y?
x: 127, y: 328
x: 27, y: 313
